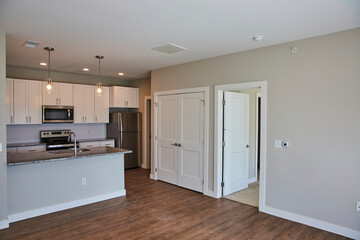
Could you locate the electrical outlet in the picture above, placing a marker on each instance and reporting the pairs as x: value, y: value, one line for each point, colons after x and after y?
x: 11, y: 136
x: 358, y: 206
x: 83, y: 181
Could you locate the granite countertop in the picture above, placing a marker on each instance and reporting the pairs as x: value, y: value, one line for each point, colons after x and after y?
x: 29, y: 144
x: 60, y: 155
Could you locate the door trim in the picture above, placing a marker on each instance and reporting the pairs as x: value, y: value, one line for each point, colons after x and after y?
x: 257, y: 96
x: 146, y: 159
x: 154, y: 153
x: 218, y: 135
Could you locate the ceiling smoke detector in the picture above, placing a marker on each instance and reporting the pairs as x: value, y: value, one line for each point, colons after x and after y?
x: 169, y: 48
x: 258, y: 38
x: 31, y: 44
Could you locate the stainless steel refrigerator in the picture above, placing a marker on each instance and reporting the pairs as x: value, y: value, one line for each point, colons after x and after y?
x: 125, y: 128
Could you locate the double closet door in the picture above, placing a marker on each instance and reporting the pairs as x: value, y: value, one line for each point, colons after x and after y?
x: 180, y: 139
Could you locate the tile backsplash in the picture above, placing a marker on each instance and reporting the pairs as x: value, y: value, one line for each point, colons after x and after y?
x: 31, y: 133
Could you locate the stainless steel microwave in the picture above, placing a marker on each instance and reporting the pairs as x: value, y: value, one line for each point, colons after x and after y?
x: 58, y: 114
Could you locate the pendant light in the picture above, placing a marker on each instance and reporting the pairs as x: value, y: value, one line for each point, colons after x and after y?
x: 99, y: 87
x: 49, y: 83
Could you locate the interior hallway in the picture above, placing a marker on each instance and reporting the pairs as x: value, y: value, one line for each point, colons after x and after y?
x: 157, y: 210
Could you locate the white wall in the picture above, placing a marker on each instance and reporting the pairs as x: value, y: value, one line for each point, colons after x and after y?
x: 31, y: 133
x: 313, y: 102
x: 3, y: 170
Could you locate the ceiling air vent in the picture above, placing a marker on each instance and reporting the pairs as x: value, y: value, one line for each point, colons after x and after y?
x: 169, y: 48
x: 31, y: 44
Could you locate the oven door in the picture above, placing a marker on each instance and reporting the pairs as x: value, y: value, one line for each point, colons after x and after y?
x: 58, y: 114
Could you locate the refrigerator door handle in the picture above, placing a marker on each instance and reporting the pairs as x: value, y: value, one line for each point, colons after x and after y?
x: 121, y: 140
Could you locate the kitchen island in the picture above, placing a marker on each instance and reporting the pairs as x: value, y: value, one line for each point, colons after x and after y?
x: 50, y: 181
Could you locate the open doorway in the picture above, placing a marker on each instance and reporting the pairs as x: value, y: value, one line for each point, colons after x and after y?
x: 240, y: 142
x: 241, y: 147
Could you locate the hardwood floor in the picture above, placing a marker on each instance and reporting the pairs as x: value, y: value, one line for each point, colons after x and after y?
x: 157, y: 210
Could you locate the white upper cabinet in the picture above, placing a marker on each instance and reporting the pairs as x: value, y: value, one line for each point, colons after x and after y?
x: 9, y: 101
x: 60, y: 94
x: 102, y: 106
x: 124, y: 97
x: 84, y: 104
x: 27, y: 101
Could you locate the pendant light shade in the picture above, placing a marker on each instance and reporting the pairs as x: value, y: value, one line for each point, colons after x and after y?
x: 49, y: 83
x: 99, y: 86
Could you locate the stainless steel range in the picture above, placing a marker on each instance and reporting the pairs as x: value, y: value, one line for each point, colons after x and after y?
x: 57, y: 139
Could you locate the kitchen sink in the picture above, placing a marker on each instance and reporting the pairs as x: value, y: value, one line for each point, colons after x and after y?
x: 65, y: 151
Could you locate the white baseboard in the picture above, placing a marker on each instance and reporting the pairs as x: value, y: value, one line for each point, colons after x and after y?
x: 62, y: 206
x: 252, y: 180
x: 4, y: 224
x: 209, y: 193
x: 152, y: 176
x: 313, y: 222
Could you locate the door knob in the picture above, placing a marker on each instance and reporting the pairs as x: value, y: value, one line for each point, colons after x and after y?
x: 179, y: 144
x: 247, y: 146
x: 174, y: 144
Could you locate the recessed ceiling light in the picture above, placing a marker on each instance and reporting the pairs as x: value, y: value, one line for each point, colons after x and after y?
x: 85, y: 69
x: 121, y: 74
x: 43, y: 64
x: 258, y: 38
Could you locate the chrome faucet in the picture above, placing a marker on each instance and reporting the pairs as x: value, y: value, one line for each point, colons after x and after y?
x: 69, y: 138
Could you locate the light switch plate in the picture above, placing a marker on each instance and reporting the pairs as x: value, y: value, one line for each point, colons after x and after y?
x: 277, y: 144
x: 358, y: 206
x: 0, y: 147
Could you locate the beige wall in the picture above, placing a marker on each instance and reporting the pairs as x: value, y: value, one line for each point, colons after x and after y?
x: 144, y: 86
x: 313, y: 102
x: 3, y: 176
x: 37, y: 74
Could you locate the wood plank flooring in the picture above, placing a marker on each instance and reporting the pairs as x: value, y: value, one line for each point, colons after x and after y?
x: 157, y: 210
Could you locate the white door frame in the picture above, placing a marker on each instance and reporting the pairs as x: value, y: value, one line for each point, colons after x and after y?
x: 145, y: 140
x: 218, y: 135
x: 154, y: 160
x: 257, y: 96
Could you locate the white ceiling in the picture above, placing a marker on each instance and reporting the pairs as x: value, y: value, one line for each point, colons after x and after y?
x: 124, y: 31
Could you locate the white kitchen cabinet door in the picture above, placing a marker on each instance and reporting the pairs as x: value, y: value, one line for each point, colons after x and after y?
x: 9, y: 101
x: 34, y: 102
x: 65, y: 94
x: 102, y: 106
x: 89, y: 103
x: 20, y: 102
x: 109, y: 143
x: 50, y: 97
x: 61, y: 94
x: 132, y: 97
x: 118, y: 97
x: 79, y: 113
x: 83, y: 104
x: 89, y: 144
x: 41, y: 148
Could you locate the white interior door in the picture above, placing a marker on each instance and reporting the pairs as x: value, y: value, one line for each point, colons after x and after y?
x: 167, y: 120
x: 236, y: 138
x: 191, y: 138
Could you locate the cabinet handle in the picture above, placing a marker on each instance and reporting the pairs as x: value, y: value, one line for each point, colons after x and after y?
x: 11, y: 119
x: 26, y: 119
x: 85, y: 118
x: 95, y: 118
x: 60, y: 101
x: 30, y: 119
x: 57, y: 101
x: 108, y: 144
x: 32, y: 150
